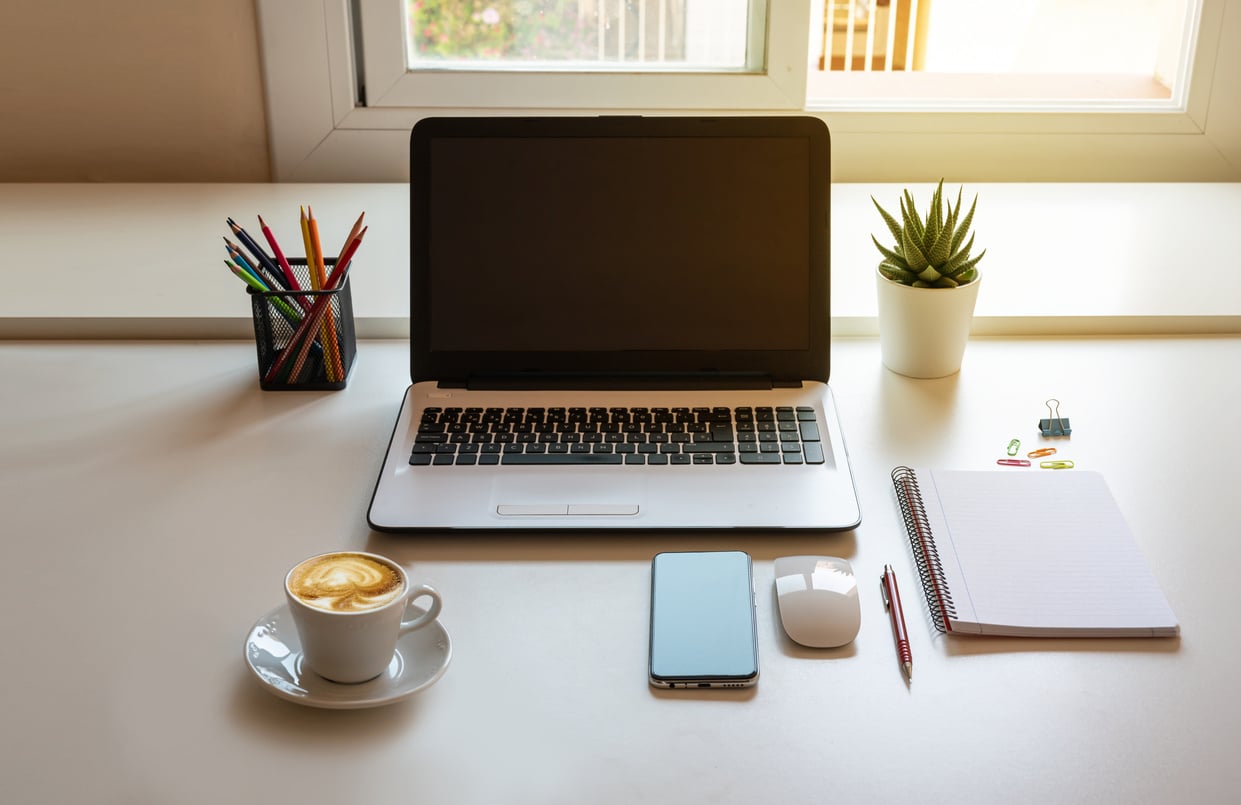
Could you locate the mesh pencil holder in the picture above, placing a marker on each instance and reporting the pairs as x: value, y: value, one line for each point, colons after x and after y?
x: 305, y: 339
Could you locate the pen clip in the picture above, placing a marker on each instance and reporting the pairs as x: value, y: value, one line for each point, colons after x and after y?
x: 883, y: 589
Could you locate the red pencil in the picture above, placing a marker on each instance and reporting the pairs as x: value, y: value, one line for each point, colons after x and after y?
x: 345, y: 257
x: 280, y: 258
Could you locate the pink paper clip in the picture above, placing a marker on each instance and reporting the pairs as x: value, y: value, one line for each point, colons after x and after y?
x: 1012, y: 462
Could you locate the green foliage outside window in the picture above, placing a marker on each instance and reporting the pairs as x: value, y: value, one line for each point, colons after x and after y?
x: 517, y: 30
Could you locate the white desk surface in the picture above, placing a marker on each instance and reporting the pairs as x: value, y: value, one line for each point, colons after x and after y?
x: 147, y: 260
x: 153, y: 498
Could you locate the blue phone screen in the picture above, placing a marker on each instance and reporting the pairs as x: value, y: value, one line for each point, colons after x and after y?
x: 702, y: 617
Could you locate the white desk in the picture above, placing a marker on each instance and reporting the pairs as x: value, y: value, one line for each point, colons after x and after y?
x: 153, y: 497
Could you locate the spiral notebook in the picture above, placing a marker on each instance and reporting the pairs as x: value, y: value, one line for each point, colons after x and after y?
x: 1037, y: 554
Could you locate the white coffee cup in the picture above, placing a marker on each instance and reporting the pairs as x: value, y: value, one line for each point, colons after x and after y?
x: 350, y: 609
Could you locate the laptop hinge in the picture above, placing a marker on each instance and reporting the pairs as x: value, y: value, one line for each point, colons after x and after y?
x: 636, y: 382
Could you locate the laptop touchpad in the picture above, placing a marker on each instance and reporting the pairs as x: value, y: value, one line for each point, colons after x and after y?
x: 568, y: 494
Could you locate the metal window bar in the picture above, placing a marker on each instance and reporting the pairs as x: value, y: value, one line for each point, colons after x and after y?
x: 615, y: 18
x: 889, y: 31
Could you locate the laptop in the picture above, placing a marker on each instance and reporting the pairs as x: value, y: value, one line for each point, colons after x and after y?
x: 618, y: 323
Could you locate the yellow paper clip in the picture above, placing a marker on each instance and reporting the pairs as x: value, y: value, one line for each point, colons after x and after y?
x: 1013, y: 446
x: 1042, y: 451
x: 1059, y: 464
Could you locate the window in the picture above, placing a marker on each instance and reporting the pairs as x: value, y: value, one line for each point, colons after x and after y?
x: 976, y: 53
x: 735, y: 43
x: 336, y: 118
x: 585, y: 35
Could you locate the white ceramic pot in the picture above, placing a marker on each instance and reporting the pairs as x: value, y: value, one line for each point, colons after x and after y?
x: 923, y: 331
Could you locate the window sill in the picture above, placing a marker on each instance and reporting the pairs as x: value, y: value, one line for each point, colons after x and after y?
x: 146, y: 260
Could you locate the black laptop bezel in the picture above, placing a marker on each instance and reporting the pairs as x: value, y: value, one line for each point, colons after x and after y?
x: 642, y: 367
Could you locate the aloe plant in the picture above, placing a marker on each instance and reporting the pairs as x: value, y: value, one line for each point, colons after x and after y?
x: 928, y: 252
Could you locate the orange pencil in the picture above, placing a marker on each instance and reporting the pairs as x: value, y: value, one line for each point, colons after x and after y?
x: 327, y: 331
x: 304, y: 332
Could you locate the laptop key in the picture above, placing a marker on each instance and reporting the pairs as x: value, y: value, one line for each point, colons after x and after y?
x: 563, y: 458
x: 814, y: 452
x: 760, y: 458
x: 707, y: 447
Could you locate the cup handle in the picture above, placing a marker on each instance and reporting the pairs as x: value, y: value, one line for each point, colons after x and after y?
x: 422, y: 591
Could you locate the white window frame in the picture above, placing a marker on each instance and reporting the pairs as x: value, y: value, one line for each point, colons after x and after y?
x: 317, y: 132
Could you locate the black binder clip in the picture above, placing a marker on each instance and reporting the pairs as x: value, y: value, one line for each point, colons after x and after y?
x: 1054, y: 425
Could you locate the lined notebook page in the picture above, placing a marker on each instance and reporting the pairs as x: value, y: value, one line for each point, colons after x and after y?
x: 1041, y: 553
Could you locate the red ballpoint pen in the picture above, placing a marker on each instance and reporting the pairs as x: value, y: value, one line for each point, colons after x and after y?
x: 892, y: 600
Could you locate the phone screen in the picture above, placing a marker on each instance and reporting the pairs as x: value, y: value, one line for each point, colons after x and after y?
x: 703, y: 630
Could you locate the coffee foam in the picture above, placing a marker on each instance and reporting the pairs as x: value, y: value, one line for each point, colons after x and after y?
x: 345, y: 582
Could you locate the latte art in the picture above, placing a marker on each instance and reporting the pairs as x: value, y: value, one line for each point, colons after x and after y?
x: 345, y: 582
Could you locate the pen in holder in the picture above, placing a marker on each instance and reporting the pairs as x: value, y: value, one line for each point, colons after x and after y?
x: 304, y: 338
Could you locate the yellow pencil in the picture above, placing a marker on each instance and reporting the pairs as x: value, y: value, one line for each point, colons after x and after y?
x: 314, y: 285
x: 327, y: 331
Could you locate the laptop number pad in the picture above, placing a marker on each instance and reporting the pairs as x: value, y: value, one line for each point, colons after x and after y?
x: 745, y: 435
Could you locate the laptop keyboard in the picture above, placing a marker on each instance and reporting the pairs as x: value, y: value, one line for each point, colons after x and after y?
x: 630, y: 436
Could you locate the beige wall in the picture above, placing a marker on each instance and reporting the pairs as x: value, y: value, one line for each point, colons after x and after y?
x: 131, y: 90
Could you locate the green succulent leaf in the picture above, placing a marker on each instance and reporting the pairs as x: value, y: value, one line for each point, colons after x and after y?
x: 890, y: 255
x: 912, y: 249
x: 913, y: 224
x: 953, y: 264
x: 970, y: 264
x: 928, y: 249
x: 893, y: 226
x: 965, y: 225
x: 897, y: 273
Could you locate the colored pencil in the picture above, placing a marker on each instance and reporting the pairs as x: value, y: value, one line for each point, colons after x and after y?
x: 327, y: 331
x: 304, y: 222
x: 280, y: 258
x: 259, y: 255
x: 292, y: 316
x: 333, y: 283
x: 353, y: 233
x: 259, y: 271
x: 346, y: 257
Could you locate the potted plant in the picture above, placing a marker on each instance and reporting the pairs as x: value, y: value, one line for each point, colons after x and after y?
x: 927, y: 283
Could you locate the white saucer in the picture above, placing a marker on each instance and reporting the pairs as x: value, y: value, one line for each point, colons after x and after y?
x: 274, y: 653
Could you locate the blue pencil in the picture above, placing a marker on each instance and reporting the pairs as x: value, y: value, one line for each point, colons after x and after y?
x: 259, y: 255
x: 237, y: 257
x: 272, y: 280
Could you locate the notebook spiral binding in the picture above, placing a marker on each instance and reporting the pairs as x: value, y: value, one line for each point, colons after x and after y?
x: 922, y: 541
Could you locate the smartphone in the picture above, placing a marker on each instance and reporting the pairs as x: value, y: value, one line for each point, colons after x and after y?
x: 703, y: 628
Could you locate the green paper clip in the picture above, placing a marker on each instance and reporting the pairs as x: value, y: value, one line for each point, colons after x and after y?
x: 1014, y: 446
x: 1056, y: 465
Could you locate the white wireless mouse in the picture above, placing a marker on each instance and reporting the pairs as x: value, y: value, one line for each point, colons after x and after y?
x: 817, y: 598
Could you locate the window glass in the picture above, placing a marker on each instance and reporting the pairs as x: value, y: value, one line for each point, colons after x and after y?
x: 584, y: 35
x: 981, y: 50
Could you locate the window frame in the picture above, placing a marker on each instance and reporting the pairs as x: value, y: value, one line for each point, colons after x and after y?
x: 318, y: 132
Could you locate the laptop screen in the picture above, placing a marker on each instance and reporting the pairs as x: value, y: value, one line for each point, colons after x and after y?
x: 640, y: 245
